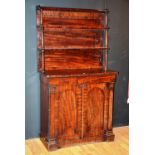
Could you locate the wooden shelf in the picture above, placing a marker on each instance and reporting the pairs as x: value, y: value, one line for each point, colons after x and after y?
x: 70, y: 9
x: 41, y: 27
x: 48, y: 49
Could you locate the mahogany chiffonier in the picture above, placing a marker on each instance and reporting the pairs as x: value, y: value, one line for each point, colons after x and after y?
x: 76, y: 87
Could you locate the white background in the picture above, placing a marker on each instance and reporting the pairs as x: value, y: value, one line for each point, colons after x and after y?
x: 142, y: 77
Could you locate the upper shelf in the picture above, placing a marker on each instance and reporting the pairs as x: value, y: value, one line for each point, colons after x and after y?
x: 70, y: 9
x: 70, y: 27
x: 70, y: 48
x: 71, y: 18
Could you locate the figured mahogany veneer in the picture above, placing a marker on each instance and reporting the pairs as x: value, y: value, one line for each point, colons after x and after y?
x: 71, y: 59
x: 71, y: 38
x: 76, y: 109
x: 76, y: 88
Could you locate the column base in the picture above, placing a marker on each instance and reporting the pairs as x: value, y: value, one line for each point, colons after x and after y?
x: 109, y: 136
x: 51, y: 144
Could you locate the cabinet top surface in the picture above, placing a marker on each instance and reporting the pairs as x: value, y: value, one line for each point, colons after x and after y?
x: 78, y: 72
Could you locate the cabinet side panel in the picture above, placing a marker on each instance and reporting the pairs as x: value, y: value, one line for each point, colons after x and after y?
x: 44, y: 107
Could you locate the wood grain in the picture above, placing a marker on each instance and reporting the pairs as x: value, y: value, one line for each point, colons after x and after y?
x: 50, y: 22
x: 72, y: 59
x: 72, y: 38
x: 76, y: 87
x: 119, y: 147
x: 75, y: 109
x: 67, y: 37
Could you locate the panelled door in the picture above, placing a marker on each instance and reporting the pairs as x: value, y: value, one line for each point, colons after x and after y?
x: 77, y: 111
x: 93, y: 106
x: 66, y: 114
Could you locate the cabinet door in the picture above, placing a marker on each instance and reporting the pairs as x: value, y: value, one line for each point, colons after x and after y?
x: 93, y: 102
x: 65, y: 105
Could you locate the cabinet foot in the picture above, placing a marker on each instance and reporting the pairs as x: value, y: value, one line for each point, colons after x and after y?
x: 109, y: 136
x: 50, y: 144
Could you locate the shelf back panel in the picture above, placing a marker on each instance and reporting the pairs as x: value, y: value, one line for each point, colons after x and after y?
x: 70, y: 38
x: 70, y: 59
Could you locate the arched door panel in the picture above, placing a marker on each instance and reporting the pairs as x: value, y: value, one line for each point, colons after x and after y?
x: 93, y: 112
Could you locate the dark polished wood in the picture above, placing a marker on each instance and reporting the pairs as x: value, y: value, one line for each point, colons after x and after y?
x: 76, y: 88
